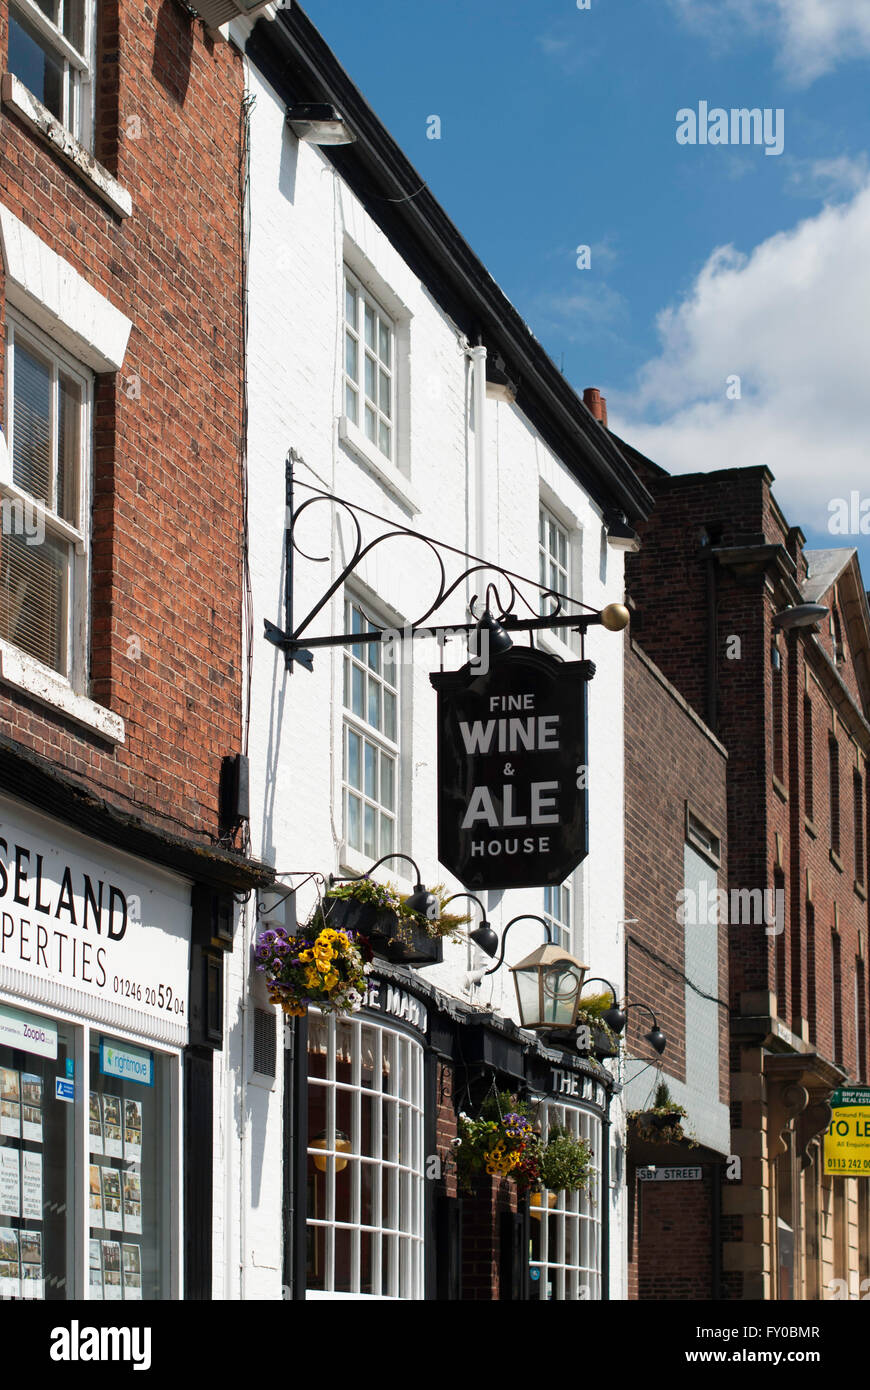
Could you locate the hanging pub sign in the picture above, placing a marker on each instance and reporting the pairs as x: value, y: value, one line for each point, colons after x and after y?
x: 512, y: 801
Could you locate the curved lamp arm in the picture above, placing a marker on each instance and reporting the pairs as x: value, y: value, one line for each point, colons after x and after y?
x: 523, y: 917
x: 483, y: 936
x: 655, y: 1037
x: 354, y: 878
x: 615, y: 1017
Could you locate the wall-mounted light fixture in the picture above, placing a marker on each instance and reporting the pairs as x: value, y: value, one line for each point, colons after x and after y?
x: 319, y: 123
x: 483, y: 936
x: 548, y: 981
x: 800, y: 615
x: 421, y: 900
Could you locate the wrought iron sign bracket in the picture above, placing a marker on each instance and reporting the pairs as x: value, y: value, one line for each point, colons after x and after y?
x: 297, y: 646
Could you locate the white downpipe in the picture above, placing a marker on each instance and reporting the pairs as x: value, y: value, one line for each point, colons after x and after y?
x: 478, y: 386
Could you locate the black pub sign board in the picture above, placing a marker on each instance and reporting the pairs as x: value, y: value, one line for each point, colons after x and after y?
x: 512, y: 799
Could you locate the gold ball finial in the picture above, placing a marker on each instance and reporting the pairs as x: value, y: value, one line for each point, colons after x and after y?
x: 615, y: 617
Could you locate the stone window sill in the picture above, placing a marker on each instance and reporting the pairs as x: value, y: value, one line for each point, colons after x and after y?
x: 384, y: 470
x: 860, y: 890
x: 836, y: 860
x: 810, y: 826
x: 24, y: 673
x: 40, y: 120
x: 780, y: 788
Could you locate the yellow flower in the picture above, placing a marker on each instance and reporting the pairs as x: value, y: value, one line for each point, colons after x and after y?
x: 306, y: 956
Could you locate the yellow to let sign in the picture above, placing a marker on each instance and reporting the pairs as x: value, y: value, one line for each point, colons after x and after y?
x: 847, y: 1141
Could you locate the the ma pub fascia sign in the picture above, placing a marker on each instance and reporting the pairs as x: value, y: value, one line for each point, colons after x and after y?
x: 512, y: 804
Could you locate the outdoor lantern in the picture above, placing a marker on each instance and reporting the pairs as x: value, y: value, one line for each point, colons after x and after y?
x: 548, y: 984
x: 342, y: 1146
x: 319, y: 123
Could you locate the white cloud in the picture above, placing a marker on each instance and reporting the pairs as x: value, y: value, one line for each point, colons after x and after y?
x: 827, y: 178
x: 791, y: 321
x: 811, y: 36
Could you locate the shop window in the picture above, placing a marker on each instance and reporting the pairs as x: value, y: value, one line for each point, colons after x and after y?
x: 128, y: 1195
x: 50, y: 51
x: 75, y: 1217
x: 369, y: 365
x: 365, y: 1160
x: 565, y: 1243
x: 45, y: 503
x: 371, y: 742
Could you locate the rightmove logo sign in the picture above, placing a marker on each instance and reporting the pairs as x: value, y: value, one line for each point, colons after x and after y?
x: 738, y: 126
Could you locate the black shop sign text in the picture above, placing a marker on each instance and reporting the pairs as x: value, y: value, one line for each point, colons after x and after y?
x: 512, y: 801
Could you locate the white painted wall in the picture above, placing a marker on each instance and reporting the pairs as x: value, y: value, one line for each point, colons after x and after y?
x: 304, y: 225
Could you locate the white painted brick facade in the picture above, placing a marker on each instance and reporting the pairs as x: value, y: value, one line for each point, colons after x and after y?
x: 304, y: 225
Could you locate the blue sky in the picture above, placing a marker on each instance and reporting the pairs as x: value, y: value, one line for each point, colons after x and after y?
x: 558, y: 129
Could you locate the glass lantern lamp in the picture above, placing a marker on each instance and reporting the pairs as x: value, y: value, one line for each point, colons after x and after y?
x: 548, y: 984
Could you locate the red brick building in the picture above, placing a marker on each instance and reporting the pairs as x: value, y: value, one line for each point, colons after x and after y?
x: 121, y: 583
x: 719, y: 587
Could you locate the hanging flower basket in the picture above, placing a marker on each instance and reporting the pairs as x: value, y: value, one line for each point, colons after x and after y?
x: 500, y: 1142
x: 394, y: 931
x: 318, y: 965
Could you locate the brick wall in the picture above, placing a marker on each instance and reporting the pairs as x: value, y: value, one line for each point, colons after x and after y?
x: 671, y: 1238
x: 166, y: 563
x: 670, y: 760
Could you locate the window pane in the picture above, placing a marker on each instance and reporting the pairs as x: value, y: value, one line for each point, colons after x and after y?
x: 370, y: 835
x: 387, y: 791
x: 31, y: 416
x: 34, y: 64
x: 353, y: 759
x: 74, y: 23
x: 356, y: 619
x: 68, y: 449
x: 384, y: 393
x: 33, y: 597
x: 373, y: 654
x: 371, y: 787
x: 37, y: 1142
x: 350, y: 303
x: 132, y: 1224
x: 371, y: 424
x: 370, y: 379
x: 357, y: 697
x: 351, y: 356
x: 390, y: 715
x: 374, y: 703
x: 354, y: 821
x: 351, y: 404
x: 384, y: 439
x: 384, y: 342
x: 386, y: 835
x: 370, y: 326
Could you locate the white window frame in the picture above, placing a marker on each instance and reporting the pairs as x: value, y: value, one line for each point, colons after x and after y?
x: 356, y: 658
x: 75, y: 535
x: 558, y: 911
x: 78, y: 67
x: 573, y: 1279
x: 560, y: 639
x: 356, y: 385
x: 402, y: 1226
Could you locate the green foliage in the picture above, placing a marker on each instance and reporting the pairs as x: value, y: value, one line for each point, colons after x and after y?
x: 565, y: 1162
x: 386, y: 898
